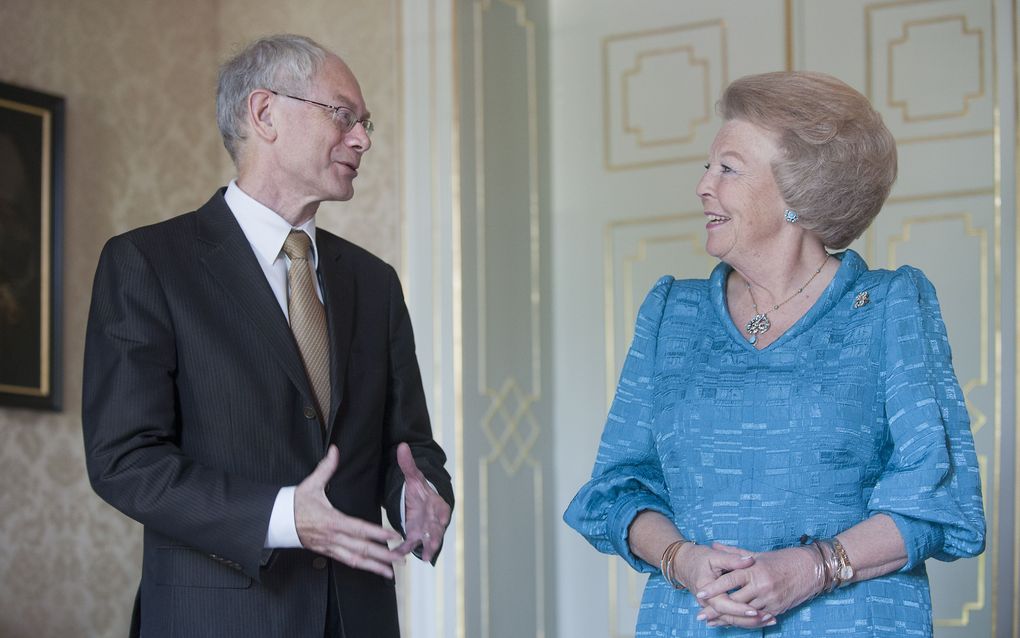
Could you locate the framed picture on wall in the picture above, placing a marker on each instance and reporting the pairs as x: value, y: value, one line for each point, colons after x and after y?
x: 31, y: 186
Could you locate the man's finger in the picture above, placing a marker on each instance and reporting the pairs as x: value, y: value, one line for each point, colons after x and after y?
x: 356, y: 528
x: 365, y: 563
x: 406, y: 462
x: 371, y: 550
x: 324, y: 470
x: 407, y: 546
x: 430, y: 545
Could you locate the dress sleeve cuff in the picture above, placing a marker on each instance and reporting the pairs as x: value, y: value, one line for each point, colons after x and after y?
x: 282, y: 530
x: 622, y: 515
x: 922, y: 539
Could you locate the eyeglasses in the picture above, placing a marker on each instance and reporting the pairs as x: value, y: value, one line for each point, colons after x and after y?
x: 341, y: 115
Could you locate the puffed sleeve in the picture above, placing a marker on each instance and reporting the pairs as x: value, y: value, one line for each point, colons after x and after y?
x: 627, y: 477
x: 930, y: 486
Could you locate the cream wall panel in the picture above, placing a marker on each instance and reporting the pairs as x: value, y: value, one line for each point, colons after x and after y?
x: 631, y: 88
x: 507, y: 438
x: 930, y: 68
x: 659, y: 88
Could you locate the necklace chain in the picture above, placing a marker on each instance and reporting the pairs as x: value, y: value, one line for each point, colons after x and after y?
x: 759, y: 323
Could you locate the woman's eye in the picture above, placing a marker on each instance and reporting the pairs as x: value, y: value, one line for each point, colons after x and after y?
x: 725, y: 168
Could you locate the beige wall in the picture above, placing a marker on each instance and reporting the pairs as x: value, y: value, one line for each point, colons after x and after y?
x: 141, y: 146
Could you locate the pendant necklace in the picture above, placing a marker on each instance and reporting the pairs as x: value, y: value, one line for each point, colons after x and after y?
x: 759, y: 323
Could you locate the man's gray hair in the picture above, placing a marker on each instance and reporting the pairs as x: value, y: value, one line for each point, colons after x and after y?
x: 284, y: 63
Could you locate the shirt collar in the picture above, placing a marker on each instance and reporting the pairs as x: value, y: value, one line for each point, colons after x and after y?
x: 264, y: 228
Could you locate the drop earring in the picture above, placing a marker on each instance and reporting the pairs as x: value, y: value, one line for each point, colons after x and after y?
x: 791, y: 216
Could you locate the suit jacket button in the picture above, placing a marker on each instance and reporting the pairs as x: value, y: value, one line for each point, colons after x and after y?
x: 309, y: 412
x: 319, y: 562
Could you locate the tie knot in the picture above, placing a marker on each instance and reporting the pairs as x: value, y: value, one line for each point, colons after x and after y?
x: 297, y: 245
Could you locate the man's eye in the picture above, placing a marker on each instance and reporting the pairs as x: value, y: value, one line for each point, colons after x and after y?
x: 725, y: 168
x: 345, y: 118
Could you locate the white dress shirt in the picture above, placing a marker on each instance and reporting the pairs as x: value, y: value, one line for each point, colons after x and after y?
x: 266, y: 231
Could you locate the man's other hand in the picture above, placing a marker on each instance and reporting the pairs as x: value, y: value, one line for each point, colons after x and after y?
x: 325, y: 530
x: 426, y: 514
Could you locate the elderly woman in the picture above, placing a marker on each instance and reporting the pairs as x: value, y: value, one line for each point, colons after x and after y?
x: 788, y: 442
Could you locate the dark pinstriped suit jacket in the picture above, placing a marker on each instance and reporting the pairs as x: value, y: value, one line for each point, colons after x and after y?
x: 196, y: 412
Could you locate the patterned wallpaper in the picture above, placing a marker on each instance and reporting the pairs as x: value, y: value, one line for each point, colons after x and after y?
x: 141, y: 145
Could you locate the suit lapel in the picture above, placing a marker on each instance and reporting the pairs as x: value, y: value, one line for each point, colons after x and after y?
x: 231, y: 261
x: 339, y: 298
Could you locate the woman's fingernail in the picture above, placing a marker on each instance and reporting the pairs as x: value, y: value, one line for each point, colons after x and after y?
x: 700, y: 594
x: 770, y: 623
x: 766, y: 616
x: 750, y: 612
x: 700, y: 616
x: 748, y: 557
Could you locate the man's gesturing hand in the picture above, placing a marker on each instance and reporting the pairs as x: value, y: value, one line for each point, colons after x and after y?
x: 426, y: 514
x: 327, y: 531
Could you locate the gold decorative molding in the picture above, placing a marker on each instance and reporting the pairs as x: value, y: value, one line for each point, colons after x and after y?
x: 609, y: 293
x: 788, y: 26
x: 869, y: 10
x: 926, y: 197
x: 522, y: 21
x: 1015, y: 624
x: 695, y: 240
x: 967, y: 97
x: 608, y: 43
x: 510, y: 446
x: 500, y: 441
x: 457, y: 319
x: 635, y: 71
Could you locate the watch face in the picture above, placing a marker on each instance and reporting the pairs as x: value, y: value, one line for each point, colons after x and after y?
x: 846, y: 572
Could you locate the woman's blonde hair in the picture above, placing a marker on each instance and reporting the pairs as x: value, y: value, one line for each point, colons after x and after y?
x: 838, y: 159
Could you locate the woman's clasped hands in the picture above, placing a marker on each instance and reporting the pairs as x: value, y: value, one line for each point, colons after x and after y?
x: 736, y: 587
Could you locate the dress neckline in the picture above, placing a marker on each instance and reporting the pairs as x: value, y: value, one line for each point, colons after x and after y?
x: 851, y: 266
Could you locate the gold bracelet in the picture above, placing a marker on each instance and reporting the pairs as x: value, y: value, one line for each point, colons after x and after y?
x: 666, y: 563
x: 823, y: 567
x: 831, y: 565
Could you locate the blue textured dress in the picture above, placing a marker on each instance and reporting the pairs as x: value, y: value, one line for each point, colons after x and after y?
x: 853, y: 411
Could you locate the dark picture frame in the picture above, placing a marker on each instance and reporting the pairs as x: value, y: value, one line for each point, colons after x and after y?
x: 31, y: 217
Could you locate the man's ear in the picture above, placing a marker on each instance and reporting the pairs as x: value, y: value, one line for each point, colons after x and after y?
x: 261, y: 114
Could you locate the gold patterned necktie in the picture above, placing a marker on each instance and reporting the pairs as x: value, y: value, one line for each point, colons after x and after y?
x: 308, y: 318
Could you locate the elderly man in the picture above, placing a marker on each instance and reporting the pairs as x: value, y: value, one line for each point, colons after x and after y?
x: 251, y: 393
